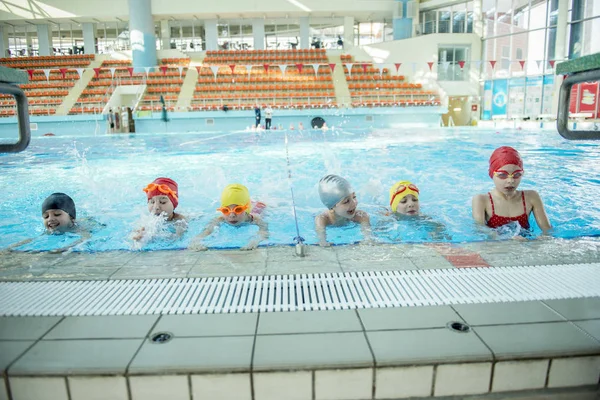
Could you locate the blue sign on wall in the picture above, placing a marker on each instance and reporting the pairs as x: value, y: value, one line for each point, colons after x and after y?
x: 499, y: 97
x: 487, y: 101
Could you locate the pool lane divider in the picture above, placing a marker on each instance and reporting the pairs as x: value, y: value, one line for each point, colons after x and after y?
x: 460, y: 257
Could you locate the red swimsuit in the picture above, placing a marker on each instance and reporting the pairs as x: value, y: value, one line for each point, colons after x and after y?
x: 496, y: 220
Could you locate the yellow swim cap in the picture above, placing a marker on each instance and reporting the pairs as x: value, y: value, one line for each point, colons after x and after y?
x: 236, y: 193
x: 400, y: 190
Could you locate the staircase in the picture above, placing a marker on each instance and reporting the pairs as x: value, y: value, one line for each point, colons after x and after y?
x: 70, y: 100
x: 342, y: 94
x: 187, y: 90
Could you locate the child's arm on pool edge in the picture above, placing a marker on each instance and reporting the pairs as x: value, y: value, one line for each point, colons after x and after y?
x: 262, y: 234
x: 539, y: 212
x: 196, y: 243
x: 321, y: 222
x: 365, y: 225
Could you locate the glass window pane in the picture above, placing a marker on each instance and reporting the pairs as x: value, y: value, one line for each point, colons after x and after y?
x: 444, y: 23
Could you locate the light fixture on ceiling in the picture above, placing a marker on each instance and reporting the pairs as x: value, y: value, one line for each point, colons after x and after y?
x: 299, y: 5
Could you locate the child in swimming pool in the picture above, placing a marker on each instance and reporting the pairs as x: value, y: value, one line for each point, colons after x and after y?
x: 339, y: 198
x: 59, y: 216
x: 163, y: 198
x: 505, y: 204
x: 404, y: 203
x: 237, y: 210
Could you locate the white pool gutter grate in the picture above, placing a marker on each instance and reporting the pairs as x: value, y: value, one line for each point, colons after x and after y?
x: 326, y: 291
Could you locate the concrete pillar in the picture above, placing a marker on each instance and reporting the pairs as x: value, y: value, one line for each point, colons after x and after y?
x: 402, y: 22
x: 415, y: 24
x: 210, y: 29
x: 29, y: 43
x: 478, y: 20
x: 3, y: 40
x: 560, y: 48
x: 141, y: 34
x: 89, y: 38
x: 349, y: 31
x: 258, y: 32
x: 561, y: 30
x: 165, y: 35
x: 304, y: 33
x: 44, y: 33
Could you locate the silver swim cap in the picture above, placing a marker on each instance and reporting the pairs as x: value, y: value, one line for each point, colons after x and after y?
x: 332, y: 189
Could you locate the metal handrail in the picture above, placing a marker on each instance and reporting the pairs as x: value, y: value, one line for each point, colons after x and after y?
x: 564, y: 98
x: 22, y: 119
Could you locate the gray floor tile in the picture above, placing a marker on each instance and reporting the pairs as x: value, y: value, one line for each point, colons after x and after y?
x: 61, y: 357
x: 107, y: 327
x: 312, y: 253
x: 243, y: 269
x: 321, y: 350
x: 25, y: 328
x: 31, y: 260
x: 154, y: 271
x: 22, y: 273
x: 79, y: 272
x: 308, y: 321
x: 506, y: 313
x: 371, y: 253
x: 431, y: 262
x: 106, y: 259
x: 301, y: 267
x: 407, y: 317
x: 195, y: 354
x: 426, y: 346
x: 591, y: 326
x: 231, y: 256
x: 208, y: 324
x: 157, y: 258
x: 588, y: 308
x: 10, y: 350
x: 534, y: 340
x: 368, y: 265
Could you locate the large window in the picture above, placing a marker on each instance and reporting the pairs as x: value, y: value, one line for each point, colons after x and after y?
x: 457, y: 18
x: 282, y: 34
x: 584, y: 27
x: 453, y: 62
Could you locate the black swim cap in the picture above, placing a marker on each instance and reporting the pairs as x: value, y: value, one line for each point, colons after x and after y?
x: 59, y: 201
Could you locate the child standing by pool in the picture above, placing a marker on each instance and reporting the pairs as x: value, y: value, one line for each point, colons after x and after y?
x: 505, y: 204
x: 237, y: 210
x: 339, y: 198
x: 163, y: 198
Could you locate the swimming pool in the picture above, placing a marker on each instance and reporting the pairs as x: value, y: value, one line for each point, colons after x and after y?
x: 105, y: 176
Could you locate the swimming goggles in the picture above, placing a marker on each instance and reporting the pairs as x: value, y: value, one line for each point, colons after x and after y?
x: 403, y: 188
x: 502, y: 174
x: 236, y: 210
x: 161, y: 188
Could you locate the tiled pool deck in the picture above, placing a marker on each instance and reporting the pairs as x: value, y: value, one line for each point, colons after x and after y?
x: 535, y: 349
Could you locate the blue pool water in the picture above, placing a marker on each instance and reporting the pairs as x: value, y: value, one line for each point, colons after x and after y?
x: 105, y: 176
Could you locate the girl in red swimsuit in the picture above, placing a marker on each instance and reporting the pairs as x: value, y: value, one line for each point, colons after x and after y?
x: 505, y: 204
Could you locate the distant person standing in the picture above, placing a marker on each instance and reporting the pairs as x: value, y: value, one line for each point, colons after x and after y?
x: 131, y: 122
x: 257, y: 115
x: 117, y: 121
x: 111, y: 121
x: 268, y: 116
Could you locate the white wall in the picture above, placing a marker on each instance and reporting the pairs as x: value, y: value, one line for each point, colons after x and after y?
x: 420, y: 50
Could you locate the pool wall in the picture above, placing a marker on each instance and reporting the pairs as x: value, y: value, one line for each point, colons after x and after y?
x: 234, y: 120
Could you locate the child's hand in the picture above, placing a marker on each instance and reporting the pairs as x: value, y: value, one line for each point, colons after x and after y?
x: 197, y: 246
x: 139, y: 234
x: 253, y: 244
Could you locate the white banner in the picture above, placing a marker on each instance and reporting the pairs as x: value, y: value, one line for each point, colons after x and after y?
x: 47, y: 73
x: 112, y: 72
x: 147, y: 69
x: 214, y: 69
x: 180, y: 68
x: 282, y: 67
x: 349, y: 66
x: 248, y: 69
x: 380, y: 68
x: 316, y: 68
x: 80, y: 72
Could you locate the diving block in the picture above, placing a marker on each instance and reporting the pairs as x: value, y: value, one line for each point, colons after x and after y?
x: 582, y: 69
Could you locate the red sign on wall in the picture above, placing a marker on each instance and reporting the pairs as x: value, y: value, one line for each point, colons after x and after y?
x: 588, y: 98
x: 473, y: 107
x: 574, y: 99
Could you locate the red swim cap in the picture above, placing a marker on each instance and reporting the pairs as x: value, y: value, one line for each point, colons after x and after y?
x: 155, y: 189
x: 503, y: 156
